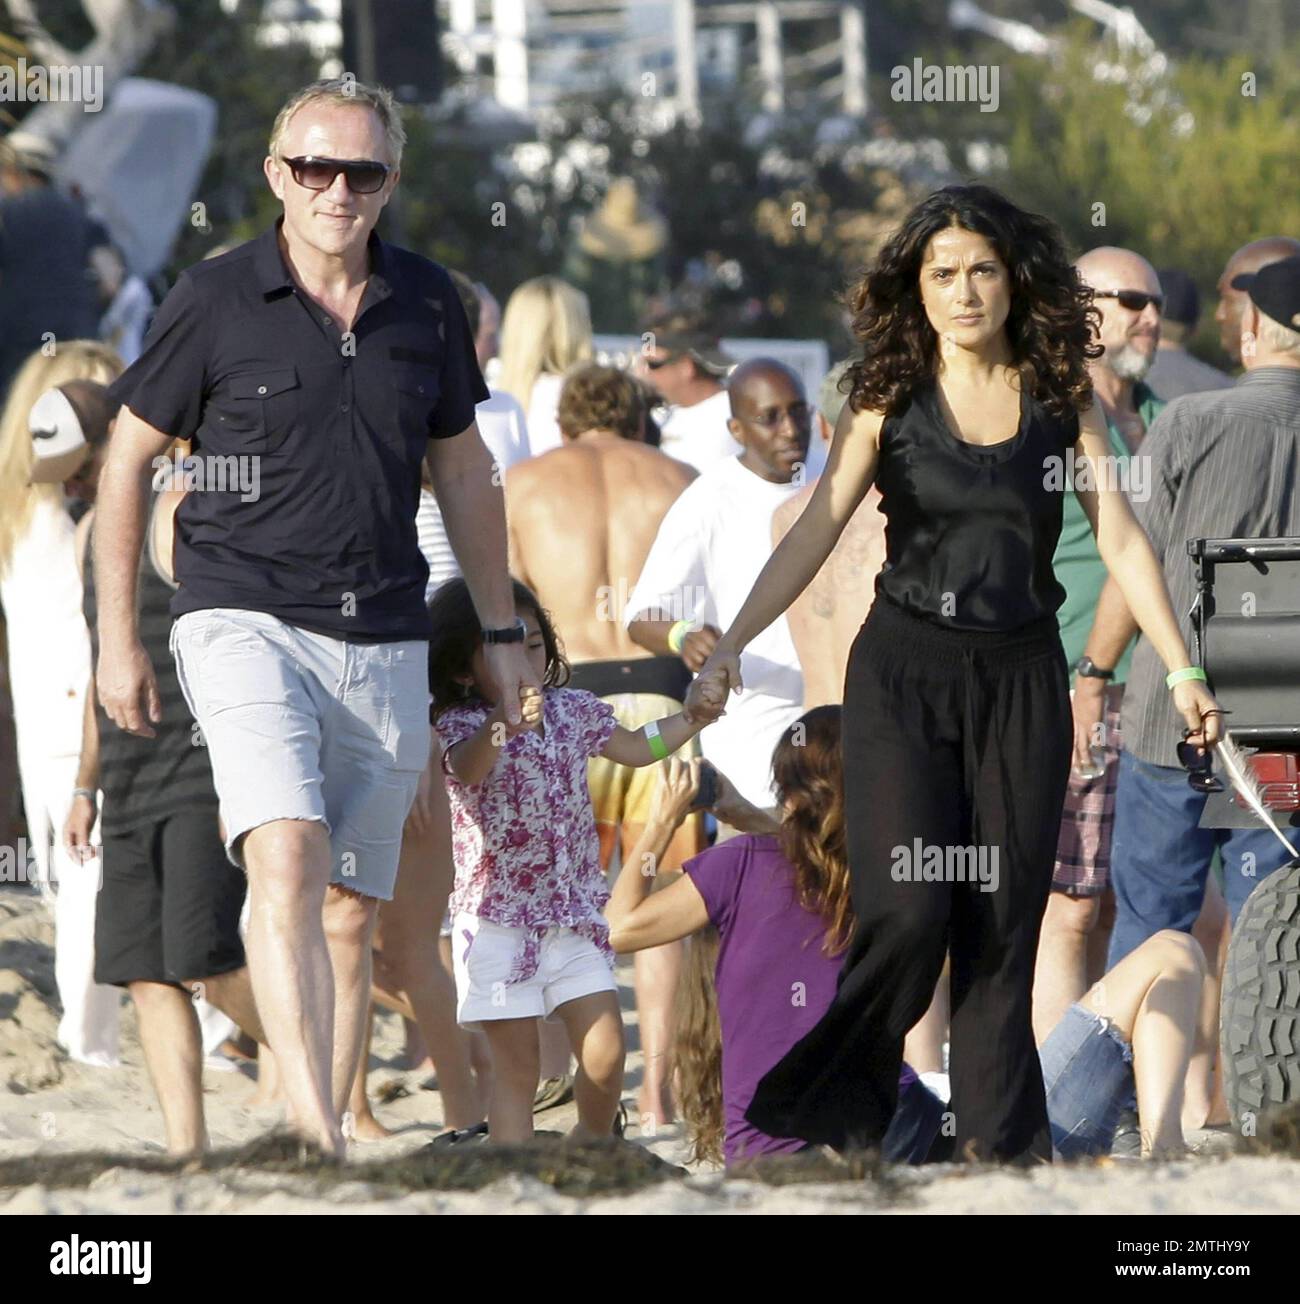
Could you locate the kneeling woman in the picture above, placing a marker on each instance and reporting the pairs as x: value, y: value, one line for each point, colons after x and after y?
x: 781, y: 907
x: 783, y: 916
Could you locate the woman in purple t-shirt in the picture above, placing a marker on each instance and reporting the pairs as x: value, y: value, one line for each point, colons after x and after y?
x: 781, y: 906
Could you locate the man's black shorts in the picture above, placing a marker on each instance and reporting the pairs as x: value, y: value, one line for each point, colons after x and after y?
x: 169, y: 904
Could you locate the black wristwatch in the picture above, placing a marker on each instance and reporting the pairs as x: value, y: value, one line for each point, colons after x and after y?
x: 515, y: 633
x: 1087, y: 668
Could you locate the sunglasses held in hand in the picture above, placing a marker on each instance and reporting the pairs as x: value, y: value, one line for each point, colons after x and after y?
x: 364, y: 176
x: 1198, y: 761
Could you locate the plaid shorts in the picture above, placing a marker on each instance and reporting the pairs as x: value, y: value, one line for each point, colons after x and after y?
x: 1083, y: 847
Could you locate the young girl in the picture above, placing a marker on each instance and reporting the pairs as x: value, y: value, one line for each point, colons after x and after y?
x: 528, y: 939
x: 779, y: 910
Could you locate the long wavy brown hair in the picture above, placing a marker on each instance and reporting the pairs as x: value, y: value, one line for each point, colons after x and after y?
x: 697, y: 1049
x: 1050, y: 325
x: 808, y: 770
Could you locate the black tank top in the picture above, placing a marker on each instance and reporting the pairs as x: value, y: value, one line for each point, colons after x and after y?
x: 970, y: 531
x: 146, y: 779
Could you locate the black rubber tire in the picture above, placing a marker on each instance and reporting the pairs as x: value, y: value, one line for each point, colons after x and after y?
x: 1260, y: 1011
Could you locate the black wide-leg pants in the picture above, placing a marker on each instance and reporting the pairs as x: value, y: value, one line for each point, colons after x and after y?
x: 956, y: 746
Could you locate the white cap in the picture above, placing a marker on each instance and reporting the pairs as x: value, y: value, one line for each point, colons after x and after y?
x: 58, y: 440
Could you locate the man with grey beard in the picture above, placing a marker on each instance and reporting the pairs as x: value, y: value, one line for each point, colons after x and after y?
x: 1127, y: 294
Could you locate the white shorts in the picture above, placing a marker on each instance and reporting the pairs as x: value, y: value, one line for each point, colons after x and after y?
x: 305, y: 727
x: 568, y: 967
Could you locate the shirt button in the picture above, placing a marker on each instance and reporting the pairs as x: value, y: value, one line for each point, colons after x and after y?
x: 261, y: 389
x: 329, y: 321
x: 344, y: 408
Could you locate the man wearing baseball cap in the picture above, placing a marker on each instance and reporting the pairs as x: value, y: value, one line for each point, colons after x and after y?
x: 1233, y: 300
x: 1224, y: 464
x: 686, y: 366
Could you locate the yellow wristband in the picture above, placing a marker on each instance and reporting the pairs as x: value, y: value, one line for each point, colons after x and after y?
x: 677, y: 636
x: 1183, y: 675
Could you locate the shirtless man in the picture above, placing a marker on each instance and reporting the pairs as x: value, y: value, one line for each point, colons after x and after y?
x: 581, y: 520
x: 825, y: 618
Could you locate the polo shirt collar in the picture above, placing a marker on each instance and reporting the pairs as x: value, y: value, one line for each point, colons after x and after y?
x: 273, y: 272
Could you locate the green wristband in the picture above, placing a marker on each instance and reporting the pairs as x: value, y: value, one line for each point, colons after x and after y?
x: 677, y: 636
x: 1183, y: 675
x: 658, y: 748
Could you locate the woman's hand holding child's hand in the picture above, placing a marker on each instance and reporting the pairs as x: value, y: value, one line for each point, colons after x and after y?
x: 530, y: 713
x: 706, y: 698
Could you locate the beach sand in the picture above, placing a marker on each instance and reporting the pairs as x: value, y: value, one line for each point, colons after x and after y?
x: 52, y: 1110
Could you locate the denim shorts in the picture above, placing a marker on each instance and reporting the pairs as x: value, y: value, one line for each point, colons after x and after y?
x: 1088, y: 1075
x: 303, y: 726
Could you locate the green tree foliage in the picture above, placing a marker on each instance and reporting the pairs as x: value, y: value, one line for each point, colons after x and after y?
x: 218, y: 54
x: 767, y: 227
x: 754, y: 232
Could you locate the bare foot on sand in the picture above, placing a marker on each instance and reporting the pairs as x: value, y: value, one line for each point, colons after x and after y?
x: 366, y: 1127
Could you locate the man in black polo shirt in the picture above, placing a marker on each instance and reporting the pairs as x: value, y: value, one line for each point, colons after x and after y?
x: 314, y: 367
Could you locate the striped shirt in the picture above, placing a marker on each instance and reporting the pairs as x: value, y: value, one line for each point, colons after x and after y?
x: 502, y: 429
x: 1223, y: 465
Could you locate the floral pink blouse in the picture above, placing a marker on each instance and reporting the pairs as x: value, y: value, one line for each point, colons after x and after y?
x: 527, y: 855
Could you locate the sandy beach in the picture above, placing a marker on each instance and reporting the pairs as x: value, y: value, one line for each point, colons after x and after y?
x: 54, y: 1112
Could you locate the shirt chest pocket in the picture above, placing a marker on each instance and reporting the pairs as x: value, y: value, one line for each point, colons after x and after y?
x: 415, y: 394
x: 256, y: 411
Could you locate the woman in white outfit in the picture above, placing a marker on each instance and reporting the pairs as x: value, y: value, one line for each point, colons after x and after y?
x: 49, y: 672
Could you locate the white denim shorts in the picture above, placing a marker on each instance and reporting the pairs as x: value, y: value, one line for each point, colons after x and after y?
x: 303, y: 726
x: 569, y: 967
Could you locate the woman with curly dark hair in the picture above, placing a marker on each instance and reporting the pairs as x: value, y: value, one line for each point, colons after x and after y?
x: 969, y: 407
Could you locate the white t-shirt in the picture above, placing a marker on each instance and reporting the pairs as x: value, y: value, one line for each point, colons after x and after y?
x: 543, y: 406
x: 698, y: 434
x: 710, y: 548
x: 501, y: 423
x: 49, y: 644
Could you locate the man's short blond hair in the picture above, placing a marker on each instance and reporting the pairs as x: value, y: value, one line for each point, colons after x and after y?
x: 345, y: 90
x: 1277, y: 338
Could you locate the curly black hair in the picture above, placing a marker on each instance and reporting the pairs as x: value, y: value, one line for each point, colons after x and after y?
x: 455, y: 634
x: 1050, y: 324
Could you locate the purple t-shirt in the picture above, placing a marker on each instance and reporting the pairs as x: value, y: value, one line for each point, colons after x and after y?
x: 773, y: 979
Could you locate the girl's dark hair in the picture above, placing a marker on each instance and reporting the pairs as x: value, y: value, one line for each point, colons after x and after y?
x: 455, y: 635
x: 1048, y: 325
x: 808, y: 770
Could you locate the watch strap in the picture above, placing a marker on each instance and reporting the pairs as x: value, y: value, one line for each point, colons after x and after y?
x: 515, y: 633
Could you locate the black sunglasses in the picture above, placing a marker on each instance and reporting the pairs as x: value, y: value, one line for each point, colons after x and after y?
x: 653, y: 364
x: 1133, y: 300
x: 364, y: 176
x: 1199, y: 765
x: 798, y: 413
